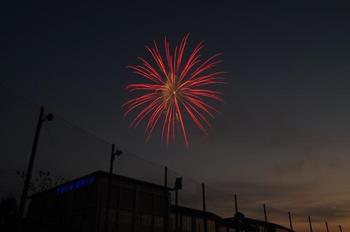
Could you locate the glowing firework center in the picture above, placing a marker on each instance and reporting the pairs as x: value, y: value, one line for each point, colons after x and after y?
x: 171, y: 89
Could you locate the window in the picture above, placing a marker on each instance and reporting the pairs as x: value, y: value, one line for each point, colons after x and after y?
x: 186, y: 224
x: 211, y: 225
x: 233, y: 230
x: 126, y: 201
x: 88, y: 220
x: 114, y: 197
x: 144, y: 223
x: 281, y: 230
x: 199, y: 225
x: 146, y: 220
x: 158, y: 223
x: 125, y: 221
x: 144, y: 203
x: 222, y: 229
x: 172, y: 222
x: 158, y: 205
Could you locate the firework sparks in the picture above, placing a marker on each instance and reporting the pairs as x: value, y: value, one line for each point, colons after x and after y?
x: 174, y: 87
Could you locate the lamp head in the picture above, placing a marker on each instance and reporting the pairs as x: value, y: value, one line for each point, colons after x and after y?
x: 118, y: 152
x: 49, y: 117
x: 178, y: 183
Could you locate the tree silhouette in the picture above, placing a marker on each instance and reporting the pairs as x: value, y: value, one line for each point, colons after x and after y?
x: 43, y: 181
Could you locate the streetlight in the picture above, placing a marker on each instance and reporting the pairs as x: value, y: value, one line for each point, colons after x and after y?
x: 114, y: 153
x: 42, y: 118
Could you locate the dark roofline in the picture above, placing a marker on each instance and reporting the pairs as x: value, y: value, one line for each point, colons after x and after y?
x: 257, y: 222
x: 130, y: 179
x: 267, y: 223
x: 54, y: 187
x: 101, y: 173
x: 186, y: 210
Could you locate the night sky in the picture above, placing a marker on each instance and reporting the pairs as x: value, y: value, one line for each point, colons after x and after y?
x: 283, y: 133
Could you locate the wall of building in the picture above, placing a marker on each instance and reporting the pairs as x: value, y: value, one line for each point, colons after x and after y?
x: 81, y: 205
x: 135, y: 206
x: 72, y: 207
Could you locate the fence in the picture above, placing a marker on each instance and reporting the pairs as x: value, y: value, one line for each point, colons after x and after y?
x: 69, y: 151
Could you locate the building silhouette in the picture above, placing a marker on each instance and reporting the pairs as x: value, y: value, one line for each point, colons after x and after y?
x: 135, y: 206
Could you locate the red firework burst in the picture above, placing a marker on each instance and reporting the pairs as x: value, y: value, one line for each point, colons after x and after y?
x: 174, y: 86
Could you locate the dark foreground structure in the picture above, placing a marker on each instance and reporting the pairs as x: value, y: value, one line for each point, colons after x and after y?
x: 135, y: 206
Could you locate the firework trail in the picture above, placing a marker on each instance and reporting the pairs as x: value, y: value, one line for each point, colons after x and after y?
x: 174, y: 86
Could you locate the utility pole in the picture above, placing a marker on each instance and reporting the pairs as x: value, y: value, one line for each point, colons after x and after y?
x: 290, y: 221
x: 114, y: 152
x: 204, y: 209
x: 42, y: 118
x: 176, y: 211
x: 177, y: 187
x: 310, y: 224
x: 265, y: 215
x: 236, y: 204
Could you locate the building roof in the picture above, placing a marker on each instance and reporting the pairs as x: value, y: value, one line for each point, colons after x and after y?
x: 127, y: 179
x: 101, y: 174
x: 251, y: 221
x: 199, y: 213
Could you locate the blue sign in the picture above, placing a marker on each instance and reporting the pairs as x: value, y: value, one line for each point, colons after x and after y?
x: 75, y: 185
